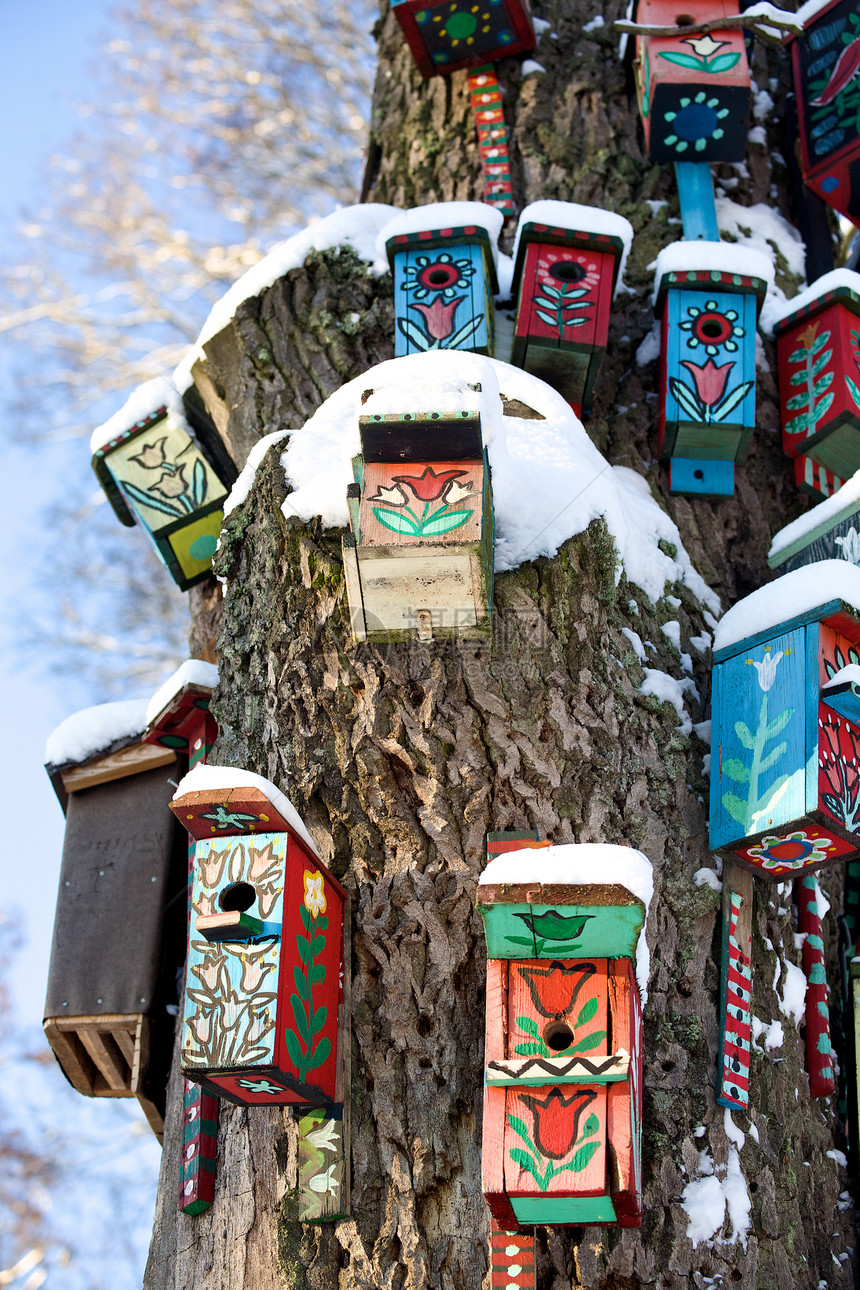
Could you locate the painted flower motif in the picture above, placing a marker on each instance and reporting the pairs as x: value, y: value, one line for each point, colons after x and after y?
x: 766, y: 668
x: 389, y: 496
x: 152, y: 456
x: 560, y: 266
x: 458, y: 492
x: 850, y: 545
x: 710, y: 380
x: 696, y: 122
x: 325, y: 1138
x: 712, y: 328
x: 326, y: 1182
x: 315, y: 901
x: 262, y: 860
x: 791, y: 851
x: 202, y: 1028
x: 439, y: 317
x: 705, y: 45
x: 442, y: 276
x: 429, y: 486
x: 259, y: 1086
x: 555, y: 1120
x: 212, y: 866
x: 171, y: 484
x: 254, y: 971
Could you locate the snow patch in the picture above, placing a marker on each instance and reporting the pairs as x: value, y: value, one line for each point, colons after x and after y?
x: 242, y: 487
x: 91, y: 730
x: 829, y: 282
x: 140, y: 404
x: 205, y: 777
x: 670, y: 690
x: 773, y: 1033
x: 636, y: 641
x: 649, y: 349
x: 192, y: 672
x: 532, y: 68
x: 788, y: 597
x: 793, y: 1001
x: 439, y: 215
x: 707, y: 878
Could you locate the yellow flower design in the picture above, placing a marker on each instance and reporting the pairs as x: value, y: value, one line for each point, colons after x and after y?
x: 315, y: 902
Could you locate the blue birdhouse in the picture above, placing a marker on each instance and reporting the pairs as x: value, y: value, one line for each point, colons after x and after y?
x: 785, y: 742
x: 708, y: 297
x: 444, y: 283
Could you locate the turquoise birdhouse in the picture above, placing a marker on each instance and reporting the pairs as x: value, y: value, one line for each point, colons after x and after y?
x: 444, y: 281
x: 785, y: 793
x: 708, y: 297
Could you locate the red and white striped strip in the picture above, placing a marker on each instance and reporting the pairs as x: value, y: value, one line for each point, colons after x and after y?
x: 492, y: 138
x: 810, y: 475
x: 737, y: 1022
x: 512, y: 1259
x: 819, y: 1055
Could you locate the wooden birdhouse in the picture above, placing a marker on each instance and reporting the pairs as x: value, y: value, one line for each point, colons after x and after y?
x: 178, y: 713
x: 444, y: 283
x: 830, y: 531
x: 445, y: 35
x: 825, y: 60
x: 119, y: 929
x: 566, y: 268
x: 563, y: 1057
x: 418, y: 561
x: 818, y: 352
x: 693, y: 90
x: 264, y: 984
x: 785, y: 793
x: 157, y: 475
x: 707, y: 361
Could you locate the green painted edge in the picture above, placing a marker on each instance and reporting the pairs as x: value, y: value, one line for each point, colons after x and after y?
x: 573, y: 1210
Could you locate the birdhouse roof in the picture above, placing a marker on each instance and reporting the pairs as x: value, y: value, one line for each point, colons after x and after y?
x: 820, y: 519
x: 442, y: 224
x: 194, y: 671
x: 422, y: 436
x: 826, y: 592
x: 568, y: 224
x: 842, y: 286
x: 206, y: 778
x: 697, y: 266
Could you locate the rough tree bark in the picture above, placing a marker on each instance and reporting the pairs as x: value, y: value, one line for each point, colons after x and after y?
x: 400, y: 760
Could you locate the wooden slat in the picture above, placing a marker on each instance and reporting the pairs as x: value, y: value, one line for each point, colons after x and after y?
x: 73, y: 1058
x: 128, y: 761
x: 599, y: 1068
x: 108, y: 1058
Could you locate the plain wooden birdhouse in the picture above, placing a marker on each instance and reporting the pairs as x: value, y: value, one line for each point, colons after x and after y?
x: 119, y: 929
x: 449, y: 34
x: 156, y: 475
x: 707, y: 365
x: 418, y: 561
x: 563, y: 1055
x: 818, y: 352
x: 785, y: 793
x: 693, y: 90
x: 564, y: 279
x: 444, y: 283
x: 264, y: 977
x: 825, y: 59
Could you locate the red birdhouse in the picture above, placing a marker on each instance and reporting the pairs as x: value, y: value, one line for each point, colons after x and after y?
x: 694, y: 90
x: 826, y: 58
x: 445, y: 35
x: 567, y: 261
x: 818, y: 351
x: 265, y: 963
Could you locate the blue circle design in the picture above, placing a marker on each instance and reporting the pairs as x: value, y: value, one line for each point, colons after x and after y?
x: 695, y: 121
x: 203, y: 548
x: 829, y: 183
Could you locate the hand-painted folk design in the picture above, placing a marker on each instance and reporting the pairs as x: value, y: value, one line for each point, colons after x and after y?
x: 564, y: 278
x: 819, y: 1055
x: 818, y: 351
x: 736, y: 989
x: 261, y: 1010
x: 419, y: 558
x: 694, y: 90
x: 322, y: 1186
x: 562, y: 1103
x: 707, y: 372
x: 486, y: 100
x: 445, y: 35
x: 784, y: 799
x: 512, y: 1259
x: 155, y: 475
x: 199, y: 1150
x: 185, y: 724
x: 826, y: 58
x: 835, y: 537
x: 443, y: 285
x: 813, y: 478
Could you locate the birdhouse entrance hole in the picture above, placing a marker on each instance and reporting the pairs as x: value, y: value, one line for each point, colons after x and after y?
x: 568, y: 271
x: 685, y: 20
x: 558, y: 1036
x: 238, y: 897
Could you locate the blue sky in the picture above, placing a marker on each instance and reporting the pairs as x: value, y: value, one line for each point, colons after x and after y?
x: 49, y: 50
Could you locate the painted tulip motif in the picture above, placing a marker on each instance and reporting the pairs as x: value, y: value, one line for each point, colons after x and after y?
x: 554, y: 989
x: 439, y: 317
x: 708, y: 401
x: 444, y: 486
x: 555, y: 992
x: 702, y: 58
x: 170, y: 494
x: 437, y: 281
x: 562, y: 930
x: 762, y: 791
x: 554, y: 1133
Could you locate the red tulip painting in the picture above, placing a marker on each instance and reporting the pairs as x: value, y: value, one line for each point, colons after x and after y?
x: 708, y: 401
x: 428, y: 502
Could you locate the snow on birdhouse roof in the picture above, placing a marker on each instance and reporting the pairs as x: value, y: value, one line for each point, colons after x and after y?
x: 549, y: 481
x: 833, y: 281
x: 800, y: 592
x: 441, y: 215
x: 712, y: 257
x: 849, y: 674
x: 94, y: 730
x: 205, y: 777
x: 140, y: 404
x: 835, y: 507
x: 578, y: 219
x: 192, y: 672
x: 353, y: 226
x: 581, y: 864
x: 807, y: 12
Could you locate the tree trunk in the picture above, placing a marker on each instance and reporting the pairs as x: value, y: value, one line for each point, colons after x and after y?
x: 400, y: 759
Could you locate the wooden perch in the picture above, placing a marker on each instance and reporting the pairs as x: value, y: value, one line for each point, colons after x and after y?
x: 761, y: 23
